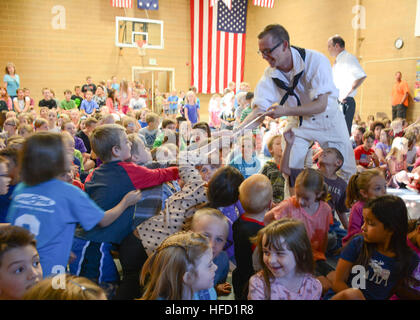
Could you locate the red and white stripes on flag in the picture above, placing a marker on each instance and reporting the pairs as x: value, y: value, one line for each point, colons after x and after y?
x: 122, y: 3
x: 218, y: 56
x: 264, y: 3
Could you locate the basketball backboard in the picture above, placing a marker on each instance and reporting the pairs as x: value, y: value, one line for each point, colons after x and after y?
x: 130, y: 30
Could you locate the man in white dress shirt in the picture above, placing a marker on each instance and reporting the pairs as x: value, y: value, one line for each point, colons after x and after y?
x: 348, y: 75
x: 298, y: 82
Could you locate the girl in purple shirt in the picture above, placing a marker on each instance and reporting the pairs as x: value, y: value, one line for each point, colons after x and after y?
x: 362, y: 187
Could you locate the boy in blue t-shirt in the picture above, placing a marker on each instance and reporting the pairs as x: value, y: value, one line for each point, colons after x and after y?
x: 141, y: 117
x: 106, y: 185
x: 245, y: 159
x: 173, y: 104
x: 88, y: 105
x: 149, y: 133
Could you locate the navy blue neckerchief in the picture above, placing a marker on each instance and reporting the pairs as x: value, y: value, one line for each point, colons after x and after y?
x: 290, y: 91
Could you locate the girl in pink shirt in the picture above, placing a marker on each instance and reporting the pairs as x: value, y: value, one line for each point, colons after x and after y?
x: 5, y: 97
x: 308, y: 205
x: 113, y: 102
x: 285, y: 256
x: 125, y: 96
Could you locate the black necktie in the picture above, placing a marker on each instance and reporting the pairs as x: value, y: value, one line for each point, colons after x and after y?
x: 290, y: 91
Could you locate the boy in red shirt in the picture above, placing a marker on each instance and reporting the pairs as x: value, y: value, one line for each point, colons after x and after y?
x: 365, y: 156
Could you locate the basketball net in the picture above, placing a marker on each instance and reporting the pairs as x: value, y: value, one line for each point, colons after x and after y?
x: 141, y: 47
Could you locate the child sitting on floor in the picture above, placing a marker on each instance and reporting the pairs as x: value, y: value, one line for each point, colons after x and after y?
x: 179, y: 268
x: 245, y: 159
x: 362, y: 186
x: 285, y: 254
x: 396, y: 160
x: 272, y: 168
x: 256, y: 195
x: 215, y: 226
x: 20, y: 267
x: 330, y: 161
x: 309, y: 206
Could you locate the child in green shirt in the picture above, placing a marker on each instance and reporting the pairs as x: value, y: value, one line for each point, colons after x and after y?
x: 67, y: 103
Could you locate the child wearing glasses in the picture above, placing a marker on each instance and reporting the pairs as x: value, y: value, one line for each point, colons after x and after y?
x: 9, y: 128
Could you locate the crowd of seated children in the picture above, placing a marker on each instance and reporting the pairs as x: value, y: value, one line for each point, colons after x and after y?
x: 106, y: 185
x: 149, y: 234
x: 236, y: 214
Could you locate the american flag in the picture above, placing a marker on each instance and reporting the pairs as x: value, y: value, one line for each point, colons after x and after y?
x: 264, y: 3
x: 122, y: 3
x: 217, y: 44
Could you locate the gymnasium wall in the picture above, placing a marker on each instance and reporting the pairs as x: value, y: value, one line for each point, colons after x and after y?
x: 61, y: 59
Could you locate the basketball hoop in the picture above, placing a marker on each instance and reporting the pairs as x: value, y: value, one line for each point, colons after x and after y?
x: 141, y: 47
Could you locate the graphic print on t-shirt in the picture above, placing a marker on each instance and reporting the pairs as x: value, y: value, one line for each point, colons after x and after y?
x: 379, y: 274
x: 34, y: 202
x: 364, y: 159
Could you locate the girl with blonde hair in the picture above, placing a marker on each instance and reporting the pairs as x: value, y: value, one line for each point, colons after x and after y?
x: 180, y: 267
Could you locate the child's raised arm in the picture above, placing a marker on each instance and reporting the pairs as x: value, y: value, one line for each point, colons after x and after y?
x: 269, y: 217
x: 276, y: 213
x: 289, y: 136
x: 131, y: 198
